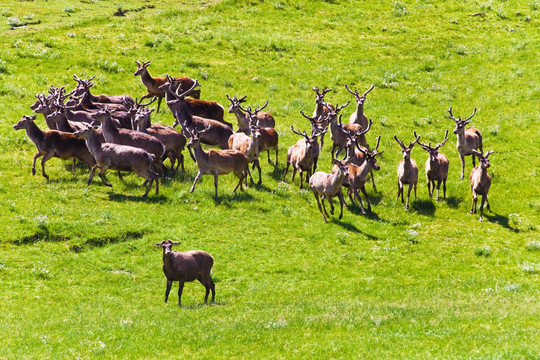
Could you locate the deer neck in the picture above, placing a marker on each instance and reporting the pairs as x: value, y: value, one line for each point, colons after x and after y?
x: 62, y: 124
x: 461, y: 141
x: 109, y: 128
x: 147, y: 79
x: 34, y: 133
x: 200, y: 155
x: 359, y: 111
x: 319, y: 109
x: 242, y: 120
x: 182, y: 114
x: 93, y: 144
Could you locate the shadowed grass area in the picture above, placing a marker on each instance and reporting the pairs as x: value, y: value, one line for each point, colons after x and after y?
x: 79, y: 277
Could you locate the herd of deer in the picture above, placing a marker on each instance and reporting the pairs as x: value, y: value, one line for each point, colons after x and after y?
x: 115, y: 132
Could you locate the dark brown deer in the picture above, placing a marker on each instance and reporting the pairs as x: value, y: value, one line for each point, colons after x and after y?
x: 467, y: 139
x: 480, y: 182
x: 53, y: 143
x: 436, y: 166
x: 152, y: 84
x: 358, y: 117
x: 407, y: 170
x: 215, y: 133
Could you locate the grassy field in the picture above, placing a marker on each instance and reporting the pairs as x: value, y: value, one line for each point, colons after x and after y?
x: 79, y: 277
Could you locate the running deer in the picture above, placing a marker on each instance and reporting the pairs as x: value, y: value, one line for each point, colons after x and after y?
x: 327, y: 186
x: 264, y: 119
x: 480, y: 182
x: 53, y: 143
x: 407, y: 170
x: 322, y: 109
x: 358, y: 174
x: 467, y: 139
x: 358, y: 117
x: 216, y: 162
x: 85, y: 85
x: 152, y: 84
x: 118, y: 157
x: 436, y: 166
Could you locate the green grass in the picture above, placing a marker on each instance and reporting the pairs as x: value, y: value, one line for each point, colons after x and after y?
x: 80, y: 278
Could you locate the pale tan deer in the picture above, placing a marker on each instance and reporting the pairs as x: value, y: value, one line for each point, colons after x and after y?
x: 264, y: 119
x: 322, y: 109
x: 407, y: 170
x: 480, y: 182
x: 358, y: 117
x: 216, y: 162
x: 467, y: 139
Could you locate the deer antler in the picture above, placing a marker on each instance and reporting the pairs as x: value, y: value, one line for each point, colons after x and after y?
x: 355, y: 93
x: 371, y: 88
x: 411, y: 144
x: 399, y: 142
x: 474, y: 112
x: 299, y: 133
x: 367, y: 128
x: 438, y: 146
x: 452, y: 116
x: 339, y: 108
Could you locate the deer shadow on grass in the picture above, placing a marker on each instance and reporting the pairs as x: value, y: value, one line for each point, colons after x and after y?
x: 228, y: 199
x: 499, y: 219
x: 352, y: 228
x: 453, y: 201
x: 153, y: 199
x: 424, y: 207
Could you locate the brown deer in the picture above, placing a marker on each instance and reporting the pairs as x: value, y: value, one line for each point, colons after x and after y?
x: 436, y: 166
x: 264, y: 119
x: 215, y: 132
x: 467, y: 139
x: 480, y: 182
x: 407, y: 170
x: 41, y: 106
x: 152, y: 84
x: 357, y: 156
x: 216, y: 162
x: 53, y: 143
x: 358, y: 174
x: 322, y: 108
x: 301, y: 155
x: 118, y: 157
x: 358, y: 117
x: 327, y: 186
x: 85, y: 85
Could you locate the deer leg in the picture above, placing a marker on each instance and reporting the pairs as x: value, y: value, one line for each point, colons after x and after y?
x: 45, y: 158
x: 206, y: 286
x: 341, y: 203
x: 408, y: 196
x: 216, y: 177
x: 258, y: 168
x: 322, y: 140
x: 268, y: 153
x: 473, y: 205
x: 473, y: 160
x: 462, y: 158
x: 285, y: 171
x: 363, y: 188
x: 250, y: 177
x: 350, y: 192
x: 438, y: 188
x: 158, y: 103
x: 319, y: 205
x: 148, y: 187
x: 92, y: 174
x: 73, y: 165
x: 241, y: 177
x: 277, y: 156
x: 428, y: 185
x: 444, y: 188
x: 293, y: 173
x: 180, y: 288
x: 101, y: 174
x: 415, y: 190
x: 168, y: 290
x: 38, y: 155
x: 373, y: 181
x: 324, y: 207
x: 482, y: 207
x: 399, y: 191
x: 329, y: 198
x: 334, y: 146
x: 360, y: 201
x: 315, y: 160
x: 195, y: 181
x: 487, y: 203
x: 302, y: 180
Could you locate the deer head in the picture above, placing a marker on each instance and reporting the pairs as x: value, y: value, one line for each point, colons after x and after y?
x: 483, y: 159
x: 235, y: 103
x: 167, y: 245
x: 359, y: 99
x: 406, y: 150
x: 460, y: 124
x: 319, y: 98
x: 433, y: 151
x: 24, y: 122
x: 141, y: 67
x: 369, y: 156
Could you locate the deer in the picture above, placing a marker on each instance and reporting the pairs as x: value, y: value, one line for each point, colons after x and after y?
x: 436, y: 166
x: 480, y: 182
x: 358, y: 117
x: 53, y: 143
x: 118, y: 157
x: 326, y: 186
x: 467, y: 139
x: 407, y: 170
x: 357, y: 156
x: 321, y: 108
x: 269, y: 136
x: 358, y: 173
x: 128, y: 137
x: 41, y: 107
x: 85, y: 85
x: 300, y: 155
x: 216, y: 162
x: 152, y: 84
x: 216, y: 133
x: 264, y: 119
x: 173, y: 140
x: 249, y: 146
x: 319, y: 125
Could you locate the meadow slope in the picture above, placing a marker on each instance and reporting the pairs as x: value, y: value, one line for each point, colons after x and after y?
x: 79, y: 276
